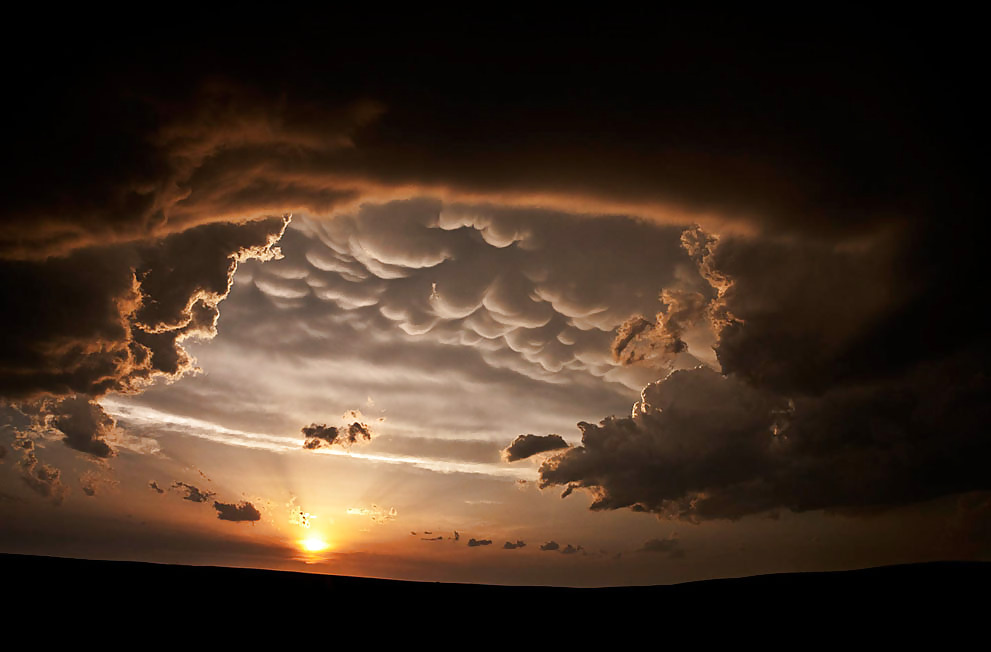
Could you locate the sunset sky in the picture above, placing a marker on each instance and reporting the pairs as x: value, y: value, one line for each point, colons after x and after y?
x: 631, y: 302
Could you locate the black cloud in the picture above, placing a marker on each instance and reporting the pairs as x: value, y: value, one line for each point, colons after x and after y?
x: 526, y: 446
x: 239, y: 512
x: 193, y: 494
x: 474, y: 543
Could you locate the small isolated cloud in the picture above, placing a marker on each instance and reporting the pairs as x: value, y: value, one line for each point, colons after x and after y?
x: 571, y: 550
x: 239, y: 513
x: 526, y: 446
x: 193, y: 494
x: 378, y: 514
x: 154, y: 487
x: 320, y: 435
x: 509, y: 545
x: 474, y: 543
x: 669, y: 546
x: 431, y: 538
x: 551, y: 545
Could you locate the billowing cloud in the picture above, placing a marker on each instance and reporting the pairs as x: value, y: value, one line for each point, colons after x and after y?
x: 475, y: 543
x: 801, y: 415
x: 193, y: 494
x: 237, y: 512
x: 526, y: 446
x: 129, y: 308
x: 85, y: 425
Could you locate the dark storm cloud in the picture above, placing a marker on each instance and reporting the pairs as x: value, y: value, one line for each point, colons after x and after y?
x: 701, y: 445
x: 129, y: 307
x: 526, y: 446
x: 474, y: 543
x: 193, y: 494
x: 509, y: 545
x: 240, y: 512
x: 826, y: 127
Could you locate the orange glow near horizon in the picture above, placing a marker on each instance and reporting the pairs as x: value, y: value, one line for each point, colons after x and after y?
x: 314, y: 543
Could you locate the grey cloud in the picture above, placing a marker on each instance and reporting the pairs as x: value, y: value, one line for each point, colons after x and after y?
x: 193, y: 494
x: 85, y: 425
x: 239, y: 512
x: 43, y: 479
x: 670, y: 547
x: 525, y: 446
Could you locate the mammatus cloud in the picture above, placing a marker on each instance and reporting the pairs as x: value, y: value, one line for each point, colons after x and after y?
x: 526, y: 446
x: 320, y: 435
x: 474, y: 543
x: 239, y: 512
x: 193, y: 494
x: 509, y: 545
x: 801, y: 416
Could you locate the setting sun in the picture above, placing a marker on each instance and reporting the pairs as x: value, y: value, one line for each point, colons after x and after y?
x: 313, y: 544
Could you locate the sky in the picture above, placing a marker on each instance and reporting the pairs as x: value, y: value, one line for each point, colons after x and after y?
x: 614, y: 302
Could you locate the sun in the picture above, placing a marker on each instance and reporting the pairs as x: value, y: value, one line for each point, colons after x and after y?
x: 313, y: 544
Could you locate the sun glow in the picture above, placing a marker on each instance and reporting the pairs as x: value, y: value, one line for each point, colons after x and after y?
x: 313, y: 544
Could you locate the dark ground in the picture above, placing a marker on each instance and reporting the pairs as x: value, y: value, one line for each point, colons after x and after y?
x: 945, y: 602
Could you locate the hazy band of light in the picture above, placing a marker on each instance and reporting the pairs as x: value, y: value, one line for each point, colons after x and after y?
x: 283, y: 444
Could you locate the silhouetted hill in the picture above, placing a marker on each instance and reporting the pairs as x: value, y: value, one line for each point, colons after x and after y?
x: 944, y: 599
